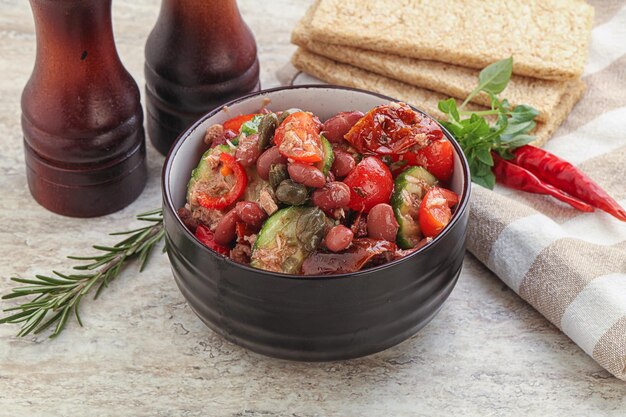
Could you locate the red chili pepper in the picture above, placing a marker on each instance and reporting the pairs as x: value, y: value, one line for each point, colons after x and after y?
x: 235, y: 123
x: 230, y: 167
x: 520, y: 178
x: 565, y: 176
x: 207, y: 238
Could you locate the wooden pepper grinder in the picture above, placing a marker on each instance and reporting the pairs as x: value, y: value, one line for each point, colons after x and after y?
x: 199, y: 55
x: 81, y: 113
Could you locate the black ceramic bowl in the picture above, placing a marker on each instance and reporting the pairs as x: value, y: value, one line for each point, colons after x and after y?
x: 312, y: 318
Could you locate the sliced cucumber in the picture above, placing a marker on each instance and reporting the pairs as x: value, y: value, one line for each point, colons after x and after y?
x: 255, y: 185
x: 203, y: 170
x: 287, y: 238
x: 251, y: 126
x: 409, y: 190
x: 329, y: 156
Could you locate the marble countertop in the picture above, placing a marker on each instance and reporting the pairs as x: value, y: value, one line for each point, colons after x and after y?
x: 143, y: 351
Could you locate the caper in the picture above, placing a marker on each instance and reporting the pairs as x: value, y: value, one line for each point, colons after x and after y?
x: 311, y: 228
x: 267, y: 126
x: 285, y: 114
x: 289, y: 192
x: 278, y: 173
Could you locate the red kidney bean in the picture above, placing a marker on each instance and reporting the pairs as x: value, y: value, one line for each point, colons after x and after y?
x: 268, y: 158
x: 343, y: 164
x: 251, y: 213
x: 337, y: 126
x: 226, y: 231
x: 338, y: 238
x: 248, y: 150
x: 306, y: 175
x: 381, y: 223
x: 332, y: 196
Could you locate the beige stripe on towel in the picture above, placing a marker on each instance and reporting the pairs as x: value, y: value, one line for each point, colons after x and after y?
x: 567, y: 261
x: 610, y: 351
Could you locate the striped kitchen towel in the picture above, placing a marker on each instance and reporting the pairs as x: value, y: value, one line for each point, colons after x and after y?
x: 570, y: 266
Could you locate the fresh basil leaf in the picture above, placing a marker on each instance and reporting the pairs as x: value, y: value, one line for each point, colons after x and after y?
x: 506, y: 153
x: 455, y: 130
x: 505, y: 106
x: 474, y: 164
x: 519, y: 140
x: 484, y: 156
x: 514, y: 129
x: 502, y: 123
x: 523, y: 113
x: 495, y: 102
x: 477, y: 126
x: 483, y: 170
x: 487, y: 181
x: 449, y: 107
x: 495, y: 77
x: 490, y: 180
x: 480, y: 137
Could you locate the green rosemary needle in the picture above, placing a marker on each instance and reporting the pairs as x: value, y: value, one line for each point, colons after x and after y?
x: 57, y: 297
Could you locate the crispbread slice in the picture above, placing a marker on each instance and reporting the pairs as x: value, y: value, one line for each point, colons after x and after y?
x: 451, y: 80
x: 548, y: 39
x: 426, y: 100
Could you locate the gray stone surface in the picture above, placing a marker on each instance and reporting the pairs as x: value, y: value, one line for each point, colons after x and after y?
x: 143, y: 352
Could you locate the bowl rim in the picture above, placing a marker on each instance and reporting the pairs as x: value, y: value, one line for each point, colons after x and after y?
x: 167, y: 196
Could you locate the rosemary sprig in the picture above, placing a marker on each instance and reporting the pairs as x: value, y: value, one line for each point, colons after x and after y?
x: 57, y: 297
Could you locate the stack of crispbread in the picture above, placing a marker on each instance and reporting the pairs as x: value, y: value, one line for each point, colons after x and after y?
x: 422, y: 51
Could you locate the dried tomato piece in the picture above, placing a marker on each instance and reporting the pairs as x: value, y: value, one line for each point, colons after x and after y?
x: 392, y: 129
x: 351, y: 260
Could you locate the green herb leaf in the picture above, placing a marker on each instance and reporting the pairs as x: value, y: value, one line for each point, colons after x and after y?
x: 514, y: 129
x: 477, y: 136
x: 523, y: 113
x: 449, y: 107
x: 519, y: 140
x: 495, y: 77
x: 484, y: 156
x: 251, y: 126
x: 487, y: 181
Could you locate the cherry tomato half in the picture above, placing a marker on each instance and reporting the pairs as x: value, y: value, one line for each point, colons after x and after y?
x: 206, y: 236
x: 230, y: 166
x: 437, y: 158
x: 434, y: 213
x: 370, y: 183
x: 392, y: 129
x: 235, y: 123
x: 298, y: 138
